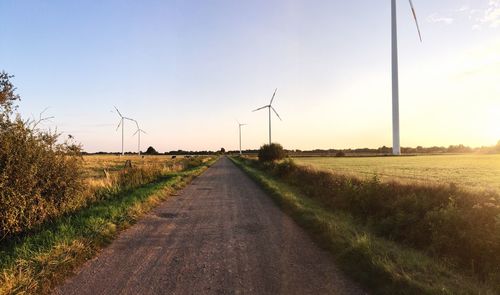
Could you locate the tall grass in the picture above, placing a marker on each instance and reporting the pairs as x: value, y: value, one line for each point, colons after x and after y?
x: 380, y: 265
x: 454, y: 225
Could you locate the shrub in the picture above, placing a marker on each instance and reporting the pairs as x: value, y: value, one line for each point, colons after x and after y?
x: 271, y: 152
x: 151, y: 151
x: 193, y: 162
x: 39, y: 178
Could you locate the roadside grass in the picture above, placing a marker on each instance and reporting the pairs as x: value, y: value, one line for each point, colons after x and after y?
x: 380, y: 265
x: 36, y: 261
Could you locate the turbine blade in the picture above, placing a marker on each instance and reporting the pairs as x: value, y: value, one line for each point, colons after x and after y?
x: 260, y: 108
x: 276, y: 113
x: 119, y: 114
x: 272, y: 98
x: 144, y: 131
x: 416, y: 20
x: 135, y: 132
x: 119, y: 124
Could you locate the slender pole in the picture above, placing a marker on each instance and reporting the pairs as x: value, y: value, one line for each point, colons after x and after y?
x: 269, y: 125
x: 123, y: 122
x: 396, y: 147
x: 240, y: 138
x: 139, y: 144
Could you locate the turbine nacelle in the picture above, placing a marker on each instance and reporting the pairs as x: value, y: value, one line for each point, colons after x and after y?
x: 139, y: 131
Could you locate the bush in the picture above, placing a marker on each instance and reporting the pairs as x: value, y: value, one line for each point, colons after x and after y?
x: 271, y: 152
x: 193, y: 162
x: 151, y: 151
x: 39, y: 178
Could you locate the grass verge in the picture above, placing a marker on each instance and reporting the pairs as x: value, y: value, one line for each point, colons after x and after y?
x: 36, y: 262
x: 381, y: 266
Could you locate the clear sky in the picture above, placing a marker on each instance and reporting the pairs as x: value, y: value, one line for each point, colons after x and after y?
x: 186, y: 70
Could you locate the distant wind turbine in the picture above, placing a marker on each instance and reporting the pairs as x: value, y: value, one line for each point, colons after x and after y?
x: 138, y: 132
x: 396, y: 146
x: 122, y: 123
x: 239, y: 126
x: 270, y: 107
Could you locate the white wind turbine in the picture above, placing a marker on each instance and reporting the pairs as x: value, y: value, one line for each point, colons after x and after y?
x: 122, y: 123
x: 239, y: 126
x: 138, y: 132
x: 270, y: 107
x: 396, y: 146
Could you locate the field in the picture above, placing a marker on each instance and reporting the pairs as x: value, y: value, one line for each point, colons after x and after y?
x: 95, y: 165
x: 475, y: 172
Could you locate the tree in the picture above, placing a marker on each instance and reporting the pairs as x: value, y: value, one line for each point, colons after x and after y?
x: 271, y: 152
x: 7, y: 94
x: 222, y: 150
x: 151, y: 151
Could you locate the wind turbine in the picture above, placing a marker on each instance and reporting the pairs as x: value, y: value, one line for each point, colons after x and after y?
x: 396, y: 146
x: 239, y: 126
x: 138, y: 132
x: 122, y: 121
x: 270, y: 107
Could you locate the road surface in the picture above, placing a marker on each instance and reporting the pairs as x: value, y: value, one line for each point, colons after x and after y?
x: 221, y: 235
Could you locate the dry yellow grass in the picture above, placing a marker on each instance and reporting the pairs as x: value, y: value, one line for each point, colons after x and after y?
x: 96, y: 164
x: 99, y: 170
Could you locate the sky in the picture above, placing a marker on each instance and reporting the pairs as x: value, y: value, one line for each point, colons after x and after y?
x: 187, y: 70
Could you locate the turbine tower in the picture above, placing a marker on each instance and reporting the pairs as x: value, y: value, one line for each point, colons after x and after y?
x: 239, y: 126
x: 270, y: 107
x: 122, y: 123
x: 138, y: 132
x: 396, y: 145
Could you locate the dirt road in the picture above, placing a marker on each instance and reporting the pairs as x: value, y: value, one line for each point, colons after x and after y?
x: 221, y: 235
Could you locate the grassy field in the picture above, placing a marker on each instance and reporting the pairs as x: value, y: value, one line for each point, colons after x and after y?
x: 381, y: 265
x: 471, y: 171
x: 96, y: 164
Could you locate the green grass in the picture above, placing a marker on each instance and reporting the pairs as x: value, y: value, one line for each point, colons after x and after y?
x: 476, y: 172
x: 381, y: 266
x: 35, y: 262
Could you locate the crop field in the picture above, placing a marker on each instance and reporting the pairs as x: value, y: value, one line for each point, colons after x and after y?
x: 476, y: 172
x: 100, y: 170
x: 94, y: 165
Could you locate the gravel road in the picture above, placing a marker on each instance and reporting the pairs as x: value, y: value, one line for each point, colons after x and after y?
x: 221, y: 235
